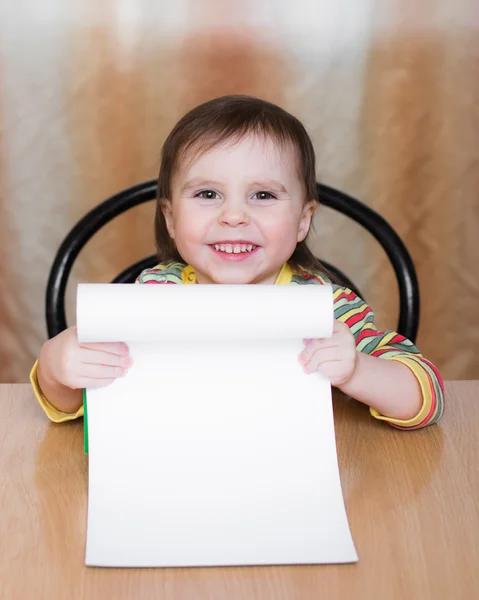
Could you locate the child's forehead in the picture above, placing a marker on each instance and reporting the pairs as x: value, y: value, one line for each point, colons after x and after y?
x: 255, y: 150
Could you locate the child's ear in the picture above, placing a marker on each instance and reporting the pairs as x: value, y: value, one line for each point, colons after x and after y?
x: 305, y: 221
x: 168, y: 214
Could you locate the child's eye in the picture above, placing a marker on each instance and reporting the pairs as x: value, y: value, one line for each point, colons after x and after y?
x: 207, y: 195
x: 264, y: 196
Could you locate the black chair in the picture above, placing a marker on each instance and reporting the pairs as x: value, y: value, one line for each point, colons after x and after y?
x: 144, y: 192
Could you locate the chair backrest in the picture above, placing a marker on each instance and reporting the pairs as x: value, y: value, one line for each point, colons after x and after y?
x: 145, y: 192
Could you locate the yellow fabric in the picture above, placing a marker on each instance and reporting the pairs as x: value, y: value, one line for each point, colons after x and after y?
x: 284, y: 277
x: 188, y: 275
x: 52, y: 413
x: 421, y: 377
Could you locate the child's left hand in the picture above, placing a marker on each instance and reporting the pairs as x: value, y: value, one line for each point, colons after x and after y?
x: 334, y: 357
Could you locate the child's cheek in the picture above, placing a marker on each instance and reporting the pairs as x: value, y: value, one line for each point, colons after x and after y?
x: 280, y: 231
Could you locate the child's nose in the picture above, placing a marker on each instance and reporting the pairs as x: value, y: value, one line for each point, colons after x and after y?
x: 233, y: 214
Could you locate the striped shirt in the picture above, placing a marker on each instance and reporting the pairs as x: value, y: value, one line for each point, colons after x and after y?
x: 349, y: 309
x: 359, y: 317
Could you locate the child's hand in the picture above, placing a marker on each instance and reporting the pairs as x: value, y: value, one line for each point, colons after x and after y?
x: 64, y: 360
x: 334, y: 357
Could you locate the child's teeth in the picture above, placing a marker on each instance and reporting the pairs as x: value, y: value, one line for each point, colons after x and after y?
x: 234, y: 248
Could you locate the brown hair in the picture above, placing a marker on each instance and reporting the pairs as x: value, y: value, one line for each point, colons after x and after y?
x: 231, y: 118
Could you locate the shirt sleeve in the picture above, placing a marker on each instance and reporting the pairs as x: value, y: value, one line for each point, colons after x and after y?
x: 52, y: 413
x: 389, y: 345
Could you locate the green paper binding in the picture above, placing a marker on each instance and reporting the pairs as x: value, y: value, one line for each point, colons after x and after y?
x: 85, y: 423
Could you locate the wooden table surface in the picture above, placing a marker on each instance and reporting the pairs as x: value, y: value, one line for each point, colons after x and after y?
x: 412, y: 499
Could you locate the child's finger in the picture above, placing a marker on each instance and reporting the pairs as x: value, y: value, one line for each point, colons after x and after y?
x: 118, y: 348
x: 316, y: 365
x: 308, y: 351
x: 319, y: 357
x: 313, y: 346
x: 95, y: 357
x: 308, y: 341
x: 89, y: 371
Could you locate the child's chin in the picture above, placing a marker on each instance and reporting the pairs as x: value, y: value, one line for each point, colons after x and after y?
x: 241, y: 278
x: 230, y: 277
x: 233, y: 280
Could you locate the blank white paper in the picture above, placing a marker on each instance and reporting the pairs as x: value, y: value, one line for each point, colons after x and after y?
x: 216, y: 448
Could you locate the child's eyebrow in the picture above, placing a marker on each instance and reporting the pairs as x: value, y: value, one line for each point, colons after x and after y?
x: 192, y: 183
x: 272, y: 184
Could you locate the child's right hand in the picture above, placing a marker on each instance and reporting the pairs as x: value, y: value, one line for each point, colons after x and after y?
x: 65, y: 361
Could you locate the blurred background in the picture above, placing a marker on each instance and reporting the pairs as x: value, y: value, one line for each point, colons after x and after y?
x: 388, y: 89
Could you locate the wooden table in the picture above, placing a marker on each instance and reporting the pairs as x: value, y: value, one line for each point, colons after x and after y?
x: 412, y: 500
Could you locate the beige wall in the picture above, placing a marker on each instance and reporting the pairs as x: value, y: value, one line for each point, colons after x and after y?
x: 388, y: 89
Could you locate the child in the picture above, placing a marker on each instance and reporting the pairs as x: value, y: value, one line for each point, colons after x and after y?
x: 236, y: 195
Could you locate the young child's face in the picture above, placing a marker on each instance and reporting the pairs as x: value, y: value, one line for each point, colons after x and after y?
x: 238, y: 211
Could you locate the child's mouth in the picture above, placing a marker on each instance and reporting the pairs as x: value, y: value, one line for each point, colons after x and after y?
x: 232, y: 251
